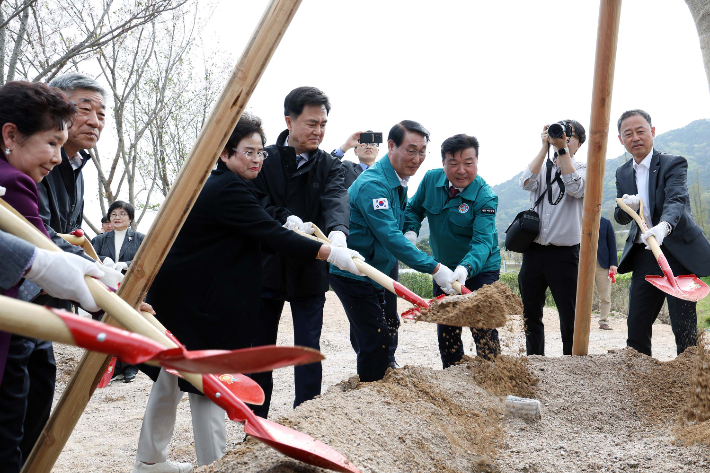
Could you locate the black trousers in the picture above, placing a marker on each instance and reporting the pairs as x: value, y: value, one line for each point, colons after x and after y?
x: 554, y: 267
x: 391, y: 316
x: 645, y: 302
x: 487, y: 341
x: 26, y: 394
x: 364, y: 306
x: 307, y: 314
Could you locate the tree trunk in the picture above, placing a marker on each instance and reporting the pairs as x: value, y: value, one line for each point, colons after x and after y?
x: 700, y: 9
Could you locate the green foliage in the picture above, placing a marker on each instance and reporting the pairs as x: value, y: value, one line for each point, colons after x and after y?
x: 424, y: 245
x: 703, y: 309
x: 419, y: 283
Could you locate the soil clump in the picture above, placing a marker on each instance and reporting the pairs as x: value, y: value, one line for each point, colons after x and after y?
x: 487, y: 307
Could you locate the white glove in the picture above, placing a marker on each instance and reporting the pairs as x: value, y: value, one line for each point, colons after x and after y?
x: 460, y: 275
x: 660, y: 231
x: 337, y: 238
x: 292, y: 222
x: 108, y: 262
x: 62, y: 275
x: 411, y: 236
x: 307, y: 228
x: 120, y: 266
x: 2, y: 191
x: 443, y: 278
x: 342, y: 258
x: 112, y: 277
x: 632, y: 201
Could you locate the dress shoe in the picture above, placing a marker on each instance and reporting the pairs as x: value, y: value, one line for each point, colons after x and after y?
x: 393, y: 364
x: 129, y: 374
x: 162, y: 467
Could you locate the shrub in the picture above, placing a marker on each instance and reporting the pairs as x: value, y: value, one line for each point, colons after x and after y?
x: 419, y: 283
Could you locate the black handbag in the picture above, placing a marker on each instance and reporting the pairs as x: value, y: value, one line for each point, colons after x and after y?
x: 526, y: 225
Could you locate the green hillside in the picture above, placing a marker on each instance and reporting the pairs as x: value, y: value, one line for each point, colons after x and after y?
x: 691, y: 141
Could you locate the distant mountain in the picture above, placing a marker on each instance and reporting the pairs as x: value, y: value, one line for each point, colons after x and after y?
x: 692, y: 142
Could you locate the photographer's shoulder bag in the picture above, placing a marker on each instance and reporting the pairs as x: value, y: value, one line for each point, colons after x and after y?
x: 526, y: 225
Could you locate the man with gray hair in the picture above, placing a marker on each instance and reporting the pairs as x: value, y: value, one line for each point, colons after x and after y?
x: 61, y: 192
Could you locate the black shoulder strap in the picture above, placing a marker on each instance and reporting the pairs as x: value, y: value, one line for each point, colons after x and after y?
x: 549, y: 181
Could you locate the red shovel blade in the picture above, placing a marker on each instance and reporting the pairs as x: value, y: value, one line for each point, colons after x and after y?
x: 106, y: 378
x: 241, y: 386
x: 689, y: 287
x: 246, y: 360
x: 283, y: 439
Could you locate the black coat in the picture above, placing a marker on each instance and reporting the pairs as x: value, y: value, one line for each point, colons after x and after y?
x: 606, y: 250
x: 208, y: 290
x: 61, y: 201
x: 105, y: 246
x: 316, y: 193
x: 669, y: 201
x: 352, y: 171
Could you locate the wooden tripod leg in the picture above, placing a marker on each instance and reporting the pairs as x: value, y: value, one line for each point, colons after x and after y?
x: 170, y: 218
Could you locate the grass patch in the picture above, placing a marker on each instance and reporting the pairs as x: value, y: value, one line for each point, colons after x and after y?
x: 703, y: 309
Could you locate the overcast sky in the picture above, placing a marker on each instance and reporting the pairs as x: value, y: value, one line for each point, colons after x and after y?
x: 496, y: 70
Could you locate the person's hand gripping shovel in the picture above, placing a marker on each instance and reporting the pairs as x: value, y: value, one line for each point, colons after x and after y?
x: 688, y: 287
x: 283, y: 439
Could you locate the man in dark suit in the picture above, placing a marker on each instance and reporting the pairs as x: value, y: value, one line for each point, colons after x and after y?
x: 659, y: 181
x: 607, y: 264
x: 303, y: 184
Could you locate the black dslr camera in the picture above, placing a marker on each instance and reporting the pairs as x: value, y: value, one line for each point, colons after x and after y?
x: 556, y: 130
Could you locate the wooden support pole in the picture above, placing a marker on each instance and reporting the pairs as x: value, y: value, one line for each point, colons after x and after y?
x: 607, y: 37
x: 170, y: 218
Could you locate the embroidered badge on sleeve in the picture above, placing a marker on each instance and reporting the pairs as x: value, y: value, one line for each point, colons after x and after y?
x: 380, y: 204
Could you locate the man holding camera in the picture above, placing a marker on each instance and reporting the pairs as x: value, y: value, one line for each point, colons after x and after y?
x: 659, y: 181
x: 461, y: 209
x: 366, y: 153
x: 378, y: 200
x: 552, y: 259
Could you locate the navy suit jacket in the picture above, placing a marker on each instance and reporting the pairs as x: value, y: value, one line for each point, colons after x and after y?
x: 606, y: 250
x: 669, y: 202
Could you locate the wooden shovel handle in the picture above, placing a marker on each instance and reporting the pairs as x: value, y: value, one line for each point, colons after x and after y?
x: 81, y: 241
x: 638, y: 217
x: 33, y: 321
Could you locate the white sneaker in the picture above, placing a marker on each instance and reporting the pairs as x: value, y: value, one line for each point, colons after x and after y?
x: 162, y: 467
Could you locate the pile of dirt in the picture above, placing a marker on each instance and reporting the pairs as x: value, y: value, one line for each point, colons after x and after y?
x: 695, y: 422
x: 415, y: 419
x: 487, y: 307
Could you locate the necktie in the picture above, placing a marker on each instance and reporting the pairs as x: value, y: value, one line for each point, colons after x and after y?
x: 299, y: 161
x: 453, y: 192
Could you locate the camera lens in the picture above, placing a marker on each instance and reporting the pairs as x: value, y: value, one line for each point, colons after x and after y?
x: 555, y: 130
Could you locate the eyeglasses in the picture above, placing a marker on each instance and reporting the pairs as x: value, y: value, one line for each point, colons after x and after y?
x: 118, y: 215
x: 369, y: 145
x: 250, y: 154
x: 413, y: 152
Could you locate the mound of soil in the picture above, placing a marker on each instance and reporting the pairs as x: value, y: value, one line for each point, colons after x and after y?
x: 487, y: 307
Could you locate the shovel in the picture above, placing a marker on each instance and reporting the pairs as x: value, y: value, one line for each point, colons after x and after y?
x: 283, y: 439
x: 77, y: 238
x: 689, y: 287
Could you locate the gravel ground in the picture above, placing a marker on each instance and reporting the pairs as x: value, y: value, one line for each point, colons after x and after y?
x: 612, y: 411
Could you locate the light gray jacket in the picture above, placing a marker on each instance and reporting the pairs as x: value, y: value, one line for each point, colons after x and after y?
x: 16, y: 256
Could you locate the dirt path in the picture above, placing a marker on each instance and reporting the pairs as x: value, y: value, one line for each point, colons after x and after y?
x: 106, y: 436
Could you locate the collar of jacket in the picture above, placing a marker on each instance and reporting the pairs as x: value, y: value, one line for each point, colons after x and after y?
x: 388, y: 171
x: 226, y: 171
x: 469, y: 193
x: 85, y: 157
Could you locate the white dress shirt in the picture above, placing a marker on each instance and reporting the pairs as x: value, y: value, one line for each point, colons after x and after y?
x: 299, y: 162
x: 642, y: 170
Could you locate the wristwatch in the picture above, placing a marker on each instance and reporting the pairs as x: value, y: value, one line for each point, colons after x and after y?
x: 562, y: 151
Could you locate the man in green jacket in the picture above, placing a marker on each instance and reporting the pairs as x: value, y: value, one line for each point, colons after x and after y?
x: 461, y: 209
x: 378, y: 199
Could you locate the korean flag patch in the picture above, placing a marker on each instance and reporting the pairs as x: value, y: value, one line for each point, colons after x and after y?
x: 380, y: 204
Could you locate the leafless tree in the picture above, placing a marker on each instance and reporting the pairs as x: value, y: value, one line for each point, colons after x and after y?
x: 39, y: 38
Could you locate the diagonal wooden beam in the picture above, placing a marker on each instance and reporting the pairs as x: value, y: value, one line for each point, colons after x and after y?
x: 607, y: 38
x: 170, y: 218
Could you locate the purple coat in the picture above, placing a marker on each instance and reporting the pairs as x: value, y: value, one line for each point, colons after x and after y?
x: 21, y: 194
